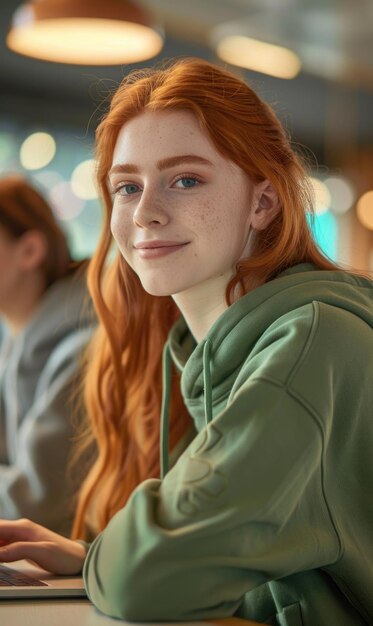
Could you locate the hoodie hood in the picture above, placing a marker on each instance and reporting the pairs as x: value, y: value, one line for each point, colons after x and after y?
x: 208, y: 369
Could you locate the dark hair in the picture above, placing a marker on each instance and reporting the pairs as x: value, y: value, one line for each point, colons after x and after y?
x: 23, y: 208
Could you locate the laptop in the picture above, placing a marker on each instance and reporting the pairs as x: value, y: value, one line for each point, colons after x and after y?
x: 21, y: 579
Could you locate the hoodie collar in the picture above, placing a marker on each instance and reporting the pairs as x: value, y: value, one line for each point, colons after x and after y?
x: 209, y: 368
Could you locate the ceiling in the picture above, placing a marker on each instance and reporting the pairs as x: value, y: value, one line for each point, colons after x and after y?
x: 332, y: 98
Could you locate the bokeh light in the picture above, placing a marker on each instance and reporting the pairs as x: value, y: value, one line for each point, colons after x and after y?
x: 322, y: 197
x: 325, y: 232
x: 65, y: 203
x: 364, y: 210
x: 37, y: 151
x: 83, y: 180
x: 342, y: 194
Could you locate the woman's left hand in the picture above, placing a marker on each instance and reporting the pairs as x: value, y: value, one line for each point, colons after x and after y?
x: 23, y: 539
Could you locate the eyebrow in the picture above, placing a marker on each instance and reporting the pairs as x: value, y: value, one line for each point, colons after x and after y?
x: 130, y: 168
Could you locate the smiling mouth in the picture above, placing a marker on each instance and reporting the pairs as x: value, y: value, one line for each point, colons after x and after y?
x: 154, y: 249
x: 146, y: 245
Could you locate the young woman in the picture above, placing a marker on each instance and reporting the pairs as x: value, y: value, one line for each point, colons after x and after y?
x: 267, y: 355
x: 44, y: 327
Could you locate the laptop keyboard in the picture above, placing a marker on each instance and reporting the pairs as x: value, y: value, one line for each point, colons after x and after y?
x: 12, y: 578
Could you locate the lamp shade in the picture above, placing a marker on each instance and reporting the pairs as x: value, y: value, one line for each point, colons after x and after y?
x: 84, y: 32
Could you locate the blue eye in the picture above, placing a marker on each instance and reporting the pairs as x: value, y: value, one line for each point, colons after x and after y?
x: 186, y: 182
x: 128, y: 190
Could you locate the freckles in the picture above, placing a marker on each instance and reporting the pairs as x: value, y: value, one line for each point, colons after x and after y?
x: 214, y: 220
x: 206, y: 213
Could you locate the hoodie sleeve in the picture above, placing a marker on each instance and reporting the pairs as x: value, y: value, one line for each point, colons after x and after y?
x: 35, y: 485
x: 244, y: 504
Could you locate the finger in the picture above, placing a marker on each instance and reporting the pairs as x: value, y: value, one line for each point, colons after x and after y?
x: 46, y: 555
x: 40, y: 553
x: 20, y: 550
x: 12, y: 530
x: 24, y: 530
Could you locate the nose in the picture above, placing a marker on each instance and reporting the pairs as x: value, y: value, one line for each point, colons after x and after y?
x: 150, y: 211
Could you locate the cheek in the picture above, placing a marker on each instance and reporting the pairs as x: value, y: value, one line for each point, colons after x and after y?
x: 206, y: 216
x: 119, y: 226
x: 9, y: 262
x: 221, y: 222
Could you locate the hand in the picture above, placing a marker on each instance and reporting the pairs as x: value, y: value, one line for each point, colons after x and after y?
x: 23, y: 539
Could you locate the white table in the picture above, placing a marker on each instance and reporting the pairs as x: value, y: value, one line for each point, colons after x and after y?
x: 63, y: 612
x: 79, y: 612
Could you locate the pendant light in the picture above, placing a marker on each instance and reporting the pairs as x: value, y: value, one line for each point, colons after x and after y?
x: 84, y: 32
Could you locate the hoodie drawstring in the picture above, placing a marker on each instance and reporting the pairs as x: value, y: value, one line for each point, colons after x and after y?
x: 165, y: 409
x: 207, y: 381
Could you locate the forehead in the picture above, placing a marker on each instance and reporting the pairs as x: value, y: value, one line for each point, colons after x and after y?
x: 154, y: 135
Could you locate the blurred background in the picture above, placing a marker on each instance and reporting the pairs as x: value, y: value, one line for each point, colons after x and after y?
x: 312, y: 60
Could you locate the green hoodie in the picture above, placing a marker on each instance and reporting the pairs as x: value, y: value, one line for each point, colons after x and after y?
x: 268, y: 514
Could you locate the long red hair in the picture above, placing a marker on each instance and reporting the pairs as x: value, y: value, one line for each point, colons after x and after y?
x: 123, y: 381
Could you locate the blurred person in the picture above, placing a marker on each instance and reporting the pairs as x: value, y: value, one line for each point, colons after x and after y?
x: 267, y: 349
x: 45, y: 323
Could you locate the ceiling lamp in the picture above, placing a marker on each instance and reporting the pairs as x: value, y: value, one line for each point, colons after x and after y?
x: 260, y: 42
x: 259, y: 56
x: 84, y: 32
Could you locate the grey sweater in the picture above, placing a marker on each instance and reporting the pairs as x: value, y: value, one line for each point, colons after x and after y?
x: 39, y: 370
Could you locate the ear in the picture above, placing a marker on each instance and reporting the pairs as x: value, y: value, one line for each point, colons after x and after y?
x: 33, y: 250
x: 266, y: 205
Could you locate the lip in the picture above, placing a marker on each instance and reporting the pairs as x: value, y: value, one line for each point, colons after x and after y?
x: 156, y: 248
x: 157, y: 243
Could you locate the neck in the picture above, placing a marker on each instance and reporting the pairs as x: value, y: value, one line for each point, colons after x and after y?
x: 202, y: 305
x: 23, y: 302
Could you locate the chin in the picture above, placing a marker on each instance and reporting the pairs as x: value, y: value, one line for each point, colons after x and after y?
x: 156, y: 290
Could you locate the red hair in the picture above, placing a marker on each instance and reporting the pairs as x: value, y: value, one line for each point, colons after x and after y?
x: 123, y: 386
